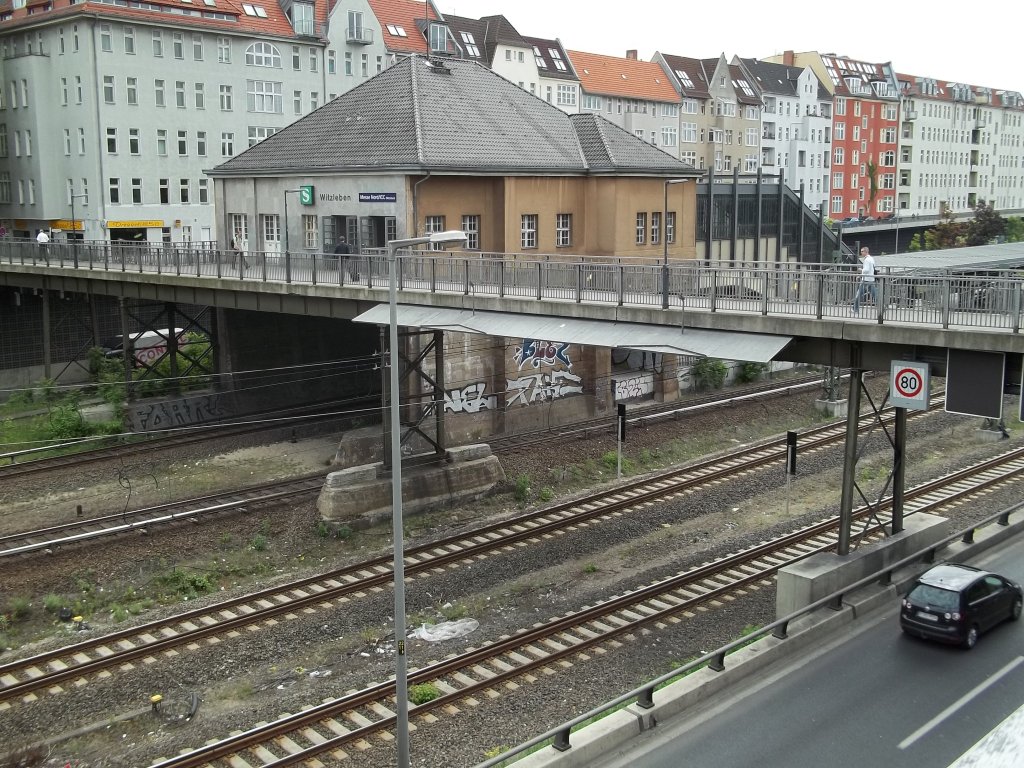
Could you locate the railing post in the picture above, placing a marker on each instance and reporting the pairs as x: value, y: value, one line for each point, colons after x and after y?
x: 713, y: 298
x: 946, y: 300
x: 465, y: 277
x: 540, y: 281
x: 764, y: 292
x: 622, y: 284
x: 1016, y: 308
x: 579, y: 282
x: 880, y: 295
x: 821, y: 296
x: 501, y: 279
x: 313, y: 273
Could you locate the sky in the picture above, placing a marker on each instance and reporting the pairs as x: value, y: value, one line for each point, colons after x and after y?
x: 945, y: 43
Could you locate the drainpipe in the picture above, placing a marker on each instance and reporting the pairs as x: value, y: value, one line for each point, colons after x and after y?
x: 415, y: 206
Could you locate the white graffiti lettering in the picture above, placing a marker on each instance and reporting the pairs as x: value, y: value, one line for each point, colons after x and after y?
x: 543, y: 387
x: 634, y: 386
x: 470, y: 399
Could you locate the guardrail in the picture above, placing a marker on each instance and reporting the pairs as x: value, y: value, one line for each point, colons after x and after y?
x: 819, y: 291
x: 560, y: 737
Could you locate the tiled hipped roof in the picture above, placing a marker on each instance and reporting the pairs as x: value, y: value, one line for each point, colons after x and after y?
x: 407, y: 15
x: 623, y: 78
x: 459, y: 116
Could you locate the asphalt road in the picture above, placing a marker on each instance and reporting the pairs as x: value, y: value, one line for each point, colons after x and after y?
x: 873, y: 699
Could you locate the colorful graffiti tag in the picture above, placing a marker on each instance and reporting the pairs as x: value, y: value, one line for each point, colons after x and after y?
x: 537, y: 353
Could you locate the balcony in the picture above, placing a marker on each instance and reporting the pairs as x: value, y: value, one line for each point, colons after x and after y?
x: 770, y: 135
x: 910, y: 114
x: 359, y: 35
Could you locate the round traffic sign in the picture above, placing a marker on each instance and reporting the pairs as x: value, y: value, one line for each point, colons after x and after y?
x: 908, y: 382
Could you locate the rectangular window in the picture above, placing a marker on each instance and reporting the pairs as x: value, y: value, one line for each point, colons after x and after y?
x: 129, y: 40
x: 655, y: 227
x: 105, y: 39
x: 528, y: 230
x: 223, y: 50
x: 434, y: 224
x: 332, y: 62
x: 204, y: 191
x: 310, y: 233
x: 837, y: 181
x: 270, y: 225
x: 178, y: 44
x: 258, y: 133
x: 688, y: 133
x: 264, y: 96
x: 314, y: 101
x: 197, y: 46
x: 114, y: 191
x: 158, y: 43
x: 137, y: 191
x: 471, y: 226
x: 64, y: 91
x: 227, y: 144
x: 132, y: 86
x: 348, y: 63
x: 161, y: 142
x: 179, y: 93
x: 840, y: 131
x: 670, y: 227
x: 134, y: 144
x: 78, y: 89
x: 364, y: 65
x: 566, y: 95
x: 182, y: 143
x: 563, y: 229
x: 3, y: 141
x: 112, y: 141
x: 669, y: 134
x: 297, y: 102
x: 313, y: 61
x: 201, y: 143
x: 108, y: 89
x: 837, y: 204
x: 158, y: 92
x: 184, y: 187
x: 225, y: 98
x: 296, y: 65
x: 641, y: 228
x: 81, y: 141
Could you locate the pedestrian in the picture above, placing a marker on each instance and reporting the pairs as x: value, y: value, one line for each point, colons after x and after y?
x: 344, y: 252
x: 237, y: 254
x: 866, y: 288
x: 44, y: 245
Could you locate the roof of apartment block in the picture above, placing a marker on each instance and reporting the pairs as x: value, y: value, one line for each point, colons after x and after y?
x: 625, y: 78
x: 964, y: 93
x: 452, y: 115
x: 254, y: 17
x: 780, y: 79
x: 553, y: 53
x: 690, y: 74
x: 402, y: 23
x: 842, y: 70
x: 746, y: 91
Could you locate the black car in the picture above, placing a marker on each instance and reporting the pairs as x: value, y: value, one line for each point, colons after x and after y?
x: 955, y: 603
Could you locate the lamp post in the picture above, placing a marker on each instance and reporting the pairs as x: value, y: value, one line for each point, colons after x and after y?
x: 287, y: 255
x: 401, y: 667
x: 74, y: 224
x: 664, y: 239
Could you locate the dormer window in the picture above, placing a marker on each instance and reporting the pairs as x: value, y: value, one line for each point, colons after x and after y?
x: 438, y: 38
x: 469, y: 43
x: 538, y: 57
x: 254, y: 10
x: 557, y: 58
x: 396, y: 30
x: 684, y: 78
x: 302, y: 19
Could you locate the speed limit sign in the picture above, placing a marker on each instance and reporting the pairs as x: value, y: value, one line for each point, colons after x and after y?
x: 908, y: 385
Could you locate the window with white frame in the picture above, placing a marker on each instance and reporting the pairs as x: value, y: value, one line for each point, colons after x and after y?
x: 161, y: 141
x: 201, y: 143
x: 225, y: 98
x: 178, y: 45
x: 114, y: 190
x: 227, y: 144
x: 641, y: 228
x: 839, y: 156
x: 471, y: 226
x: 204, y: 191
x: 528, y: 230
x: 132, y: 90
x: 105, y: 39
x: 837, y: 181
x: 129, y: 40
x: 751, y: 137
x: 592, y: 102
x: 239, y: 224
x: 158, y: 93
x: 258, y: 133
x: 3, y: 141
x: 264, y: 96
x: 655, y: 227
x: 840, y: 130
x: 670, y: 227
x: 310, y: 233
x: 81, y: 141
x: 197, y: 46
x: 688, y: 156
x: 111, y: 141
x: 200, y: 95
x: 888, y: 181
x: 108, y: 89
x: 223, y: 50
x: 566, y: 95
x: 263, y: 55
x: 137, y: 191
x: 563, y: 229
x: 432, y: 224
x: 669, y: 136
x: 670, y: 110
x: 134, y: 141
x: 270, y: 226
x: 889, y: 158
x: 889, y: 135
x: 837, y: 204
x: 689, y: 106
x: 179, y: 94
x: 182, y: 143
x: 750, y: 164
x: 687, y: 133
x: 158, y: 43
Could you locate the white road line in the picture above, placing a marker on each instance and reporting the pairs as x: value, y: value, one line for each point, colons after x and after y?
x: 967, y: 697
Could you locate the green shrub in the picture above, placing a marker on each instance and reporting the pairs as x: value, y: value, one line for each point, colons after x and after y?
x: 546, y: 494
x: 522, y: 491
x: 53, y: 603
x: 749, y: 372
x: 66, y: 423
x: 326, y: 530
x: 19, y: 608
x: 709, y: 373
x: 258, y: 543
x: 186, y: 585
x: 423, y: 692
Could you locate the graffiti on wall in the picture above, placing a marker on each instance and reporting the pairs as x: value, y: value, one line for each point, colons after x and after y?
x: 543, y: 386
x: 638, y: 385
x: 537, y: 353
x: 177, y: 413
x: 470, y: 399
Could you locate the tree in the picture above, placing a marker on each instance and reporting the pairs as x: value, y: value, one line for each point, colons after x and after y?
x: 872, y: 184
x: 946, y: 234
x: 985, y: 227
x: 1014, y: 229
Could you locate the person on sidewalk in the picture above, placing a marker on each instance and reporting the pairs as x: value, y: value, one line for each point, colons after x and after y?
x: 44, y: 245
x: 344, y: 252
x: 866, y: 288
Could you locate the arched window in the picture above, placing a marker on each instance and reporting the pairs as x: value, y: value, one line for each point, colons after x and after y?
x: 263, y: 55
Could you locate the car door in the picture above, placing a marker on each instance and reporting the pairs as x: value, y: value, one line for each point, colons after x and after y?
x: 1000, y: 597
x: 979, y: 605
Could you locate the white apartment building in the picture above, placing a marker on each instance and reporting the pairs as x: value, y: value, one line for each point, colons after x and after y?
x: 796, y: 126
x: 111, y: 113
x: 633, y: 94
x: 959, y: 145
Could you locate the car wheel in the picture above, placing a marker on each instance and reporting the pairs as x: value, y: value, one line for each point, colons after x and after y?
x: 971, y: 639
x: 1015, y: 611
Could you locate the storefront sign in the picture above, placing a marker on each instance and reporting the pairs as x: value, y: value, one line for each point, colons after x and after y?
x: 63, y: 224
x: 134, y: 224
x: 378, y: 197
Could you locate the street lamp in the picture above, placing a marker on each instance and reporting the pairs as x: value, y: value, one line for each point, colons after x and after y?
x: 74, y: 224
x: 664, y: 238
x: 287, y: 256
x: 401, y: 668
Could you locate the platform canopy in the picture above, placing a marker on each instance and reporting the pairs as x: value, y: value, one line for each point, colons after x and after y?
x: 998, y: 256
x: 667, y: 339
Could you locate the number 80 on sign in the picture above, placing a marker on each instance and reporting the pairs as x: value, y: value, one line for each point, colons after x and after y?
x: 908, y: 385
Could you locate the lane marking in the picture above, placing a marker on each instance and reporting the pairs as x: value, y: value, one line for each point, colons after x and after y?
x: 965, y: 699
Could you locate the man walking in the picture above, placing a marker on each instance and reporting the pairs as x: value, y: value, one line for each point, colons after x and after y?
x: 44, y: 245
x: 866, y: 289
x: 344, y: 252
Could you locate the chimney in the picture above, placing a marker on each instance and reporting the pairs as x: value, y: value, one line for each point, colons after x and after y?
x: 631, y: 54
x: 787, y: 58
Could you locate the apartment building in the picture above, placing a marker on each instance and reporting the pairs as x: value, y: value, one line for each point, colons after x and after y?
x: 720, y: 113
x: 538, y: 65
x: 635, y: 95
x: 959, y: 145
x: 865, y: 125
x: 111, y: 113
x: 796, y: 126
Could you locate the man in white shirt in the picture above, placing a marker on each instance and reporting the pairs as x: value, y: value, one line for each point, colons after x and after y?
x: 866, y: 289
x: 43, y: 239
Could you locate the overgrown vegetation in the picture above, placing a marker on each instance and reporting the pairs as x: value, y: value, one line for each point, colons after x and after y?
x: 423, y: 692
x: 709, y: 373
x: 987, y: 226
x: 751, y: 372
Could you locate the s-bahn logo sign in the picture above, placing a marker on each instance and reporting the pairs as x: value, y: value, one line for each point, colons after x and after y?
x: 908, y: 385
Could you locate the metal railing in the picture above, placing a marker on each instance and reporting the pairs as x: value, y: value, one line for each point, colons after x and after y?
x: 560, y: 736
x: 819, y: 291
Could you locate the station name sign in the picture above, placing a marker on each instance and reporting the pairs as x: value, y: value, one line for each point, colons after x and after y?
x: 378, y: 197
x: 334, y: 197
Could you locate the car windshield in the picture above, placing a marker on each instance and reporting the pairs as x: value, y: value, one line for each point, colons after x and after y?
x: 935, y: 597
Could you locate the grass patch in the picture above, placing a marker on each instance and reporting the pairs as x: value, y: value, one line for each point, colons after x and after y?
x: 423, y: 692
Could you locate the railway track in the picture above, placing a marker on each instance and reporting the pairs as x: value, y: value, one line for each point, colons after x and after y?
x: 52, y: 670
x: 356, y: 720
x: 144, y: 520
